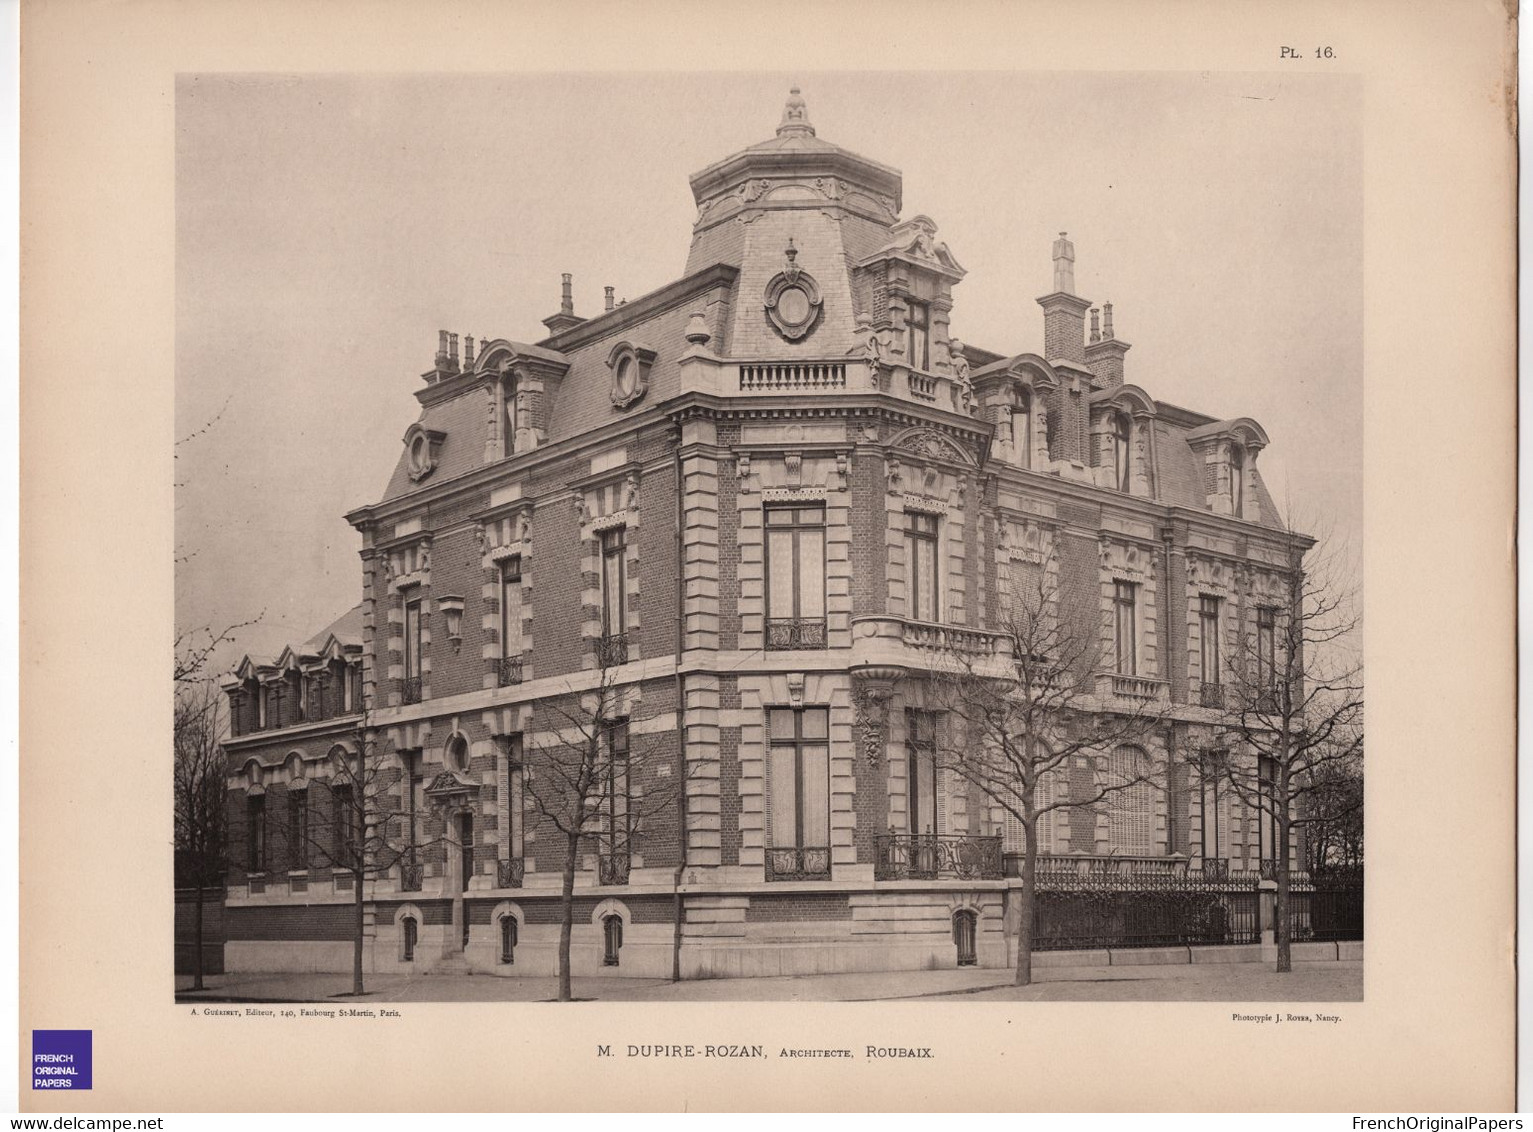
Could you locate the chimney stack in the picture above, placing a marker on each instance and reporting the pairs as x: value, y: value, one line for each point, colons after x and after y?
x: 1096, y: 331
x: 468, y: 351
x: 1064, y: 312
x: 611, y: 303
x: 566, y: 318
x: 452, y: 352
x: 1105, y: 357
x: 441, y: 349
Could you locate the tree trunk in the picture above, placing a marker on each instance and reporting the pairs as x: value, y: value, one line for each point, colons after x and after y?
x: 1283, y: 927
x: 567, y: 914
x: 356, y: 945
x: 197, y: 940
x: 1029, y: 900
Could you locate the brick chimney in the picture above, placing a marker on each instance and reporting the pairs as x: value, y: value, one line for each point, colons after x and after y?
x: 1105, y: 357
x: 1064, y: 312
x: 566, y: 318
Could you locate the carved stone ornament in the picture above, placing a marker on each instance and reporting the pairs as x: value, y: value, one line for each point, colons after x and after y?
x: 743, y: 472
x: 422, y: 448
x: 630, y: 365
x: 792, y: 300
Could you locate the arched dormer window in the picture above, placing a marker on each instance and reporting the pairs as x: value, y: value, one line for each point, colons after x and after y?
x: 1120, y: 432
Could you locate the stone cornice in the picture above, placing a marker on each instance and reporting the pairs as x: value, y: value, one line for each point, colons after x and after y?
x: 285, y: 737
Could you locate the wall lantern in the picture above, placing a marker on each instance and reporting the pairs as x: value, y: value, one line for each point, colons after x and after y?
x: 453, y: 608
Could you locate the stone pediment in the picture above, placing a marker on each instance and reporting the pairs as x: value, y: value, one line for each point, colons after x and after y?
x: 451, y: 783
x: 915, y: 241
x: 933, y: 445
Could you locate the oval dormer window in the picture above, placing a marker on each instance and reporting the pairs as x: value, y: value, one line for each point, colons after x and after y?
x: 630, y: 364
x: 626, y: 379
x: 793, y: 306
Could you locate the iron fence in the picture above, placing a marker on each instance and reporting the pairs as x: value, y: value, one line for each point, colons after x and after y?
x: 928, y: 856
x: 1109, y: 914
x: 410, y: 690
x: 1331, y: 911
x: 612, y: 650
x: 795, y: 633
x: 812, y: 863
x: 613, y: 868
x: 510, y: 873
x: 510, y: 670
x: 411, y: 876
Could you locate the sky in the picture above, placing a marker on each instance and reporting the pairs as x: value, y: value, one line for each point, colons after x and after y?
x: 328, y: 226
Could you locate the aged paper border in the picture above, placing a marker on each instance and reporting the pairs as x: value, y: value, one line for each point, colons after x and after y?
x: 1435, y: 1031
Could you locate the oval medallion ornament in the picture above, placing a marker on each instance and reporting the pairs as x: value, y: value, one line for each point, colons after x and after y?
x: 792, y: 300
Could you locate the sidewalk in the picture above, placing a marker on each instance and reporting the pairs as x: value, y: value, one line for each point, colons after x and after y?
x: 1214, y: 982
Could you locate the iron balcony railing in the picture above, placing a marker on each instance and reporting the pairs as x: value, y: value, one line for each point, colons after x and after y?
x: 1211, y: 696
x: 798, y: 863
x: 410, y: 690
x: 509, y: 873
x: 612, y: 650
x: 510, y: 670
x: 795, y: 633
x: 411, y: 876
x: 930, y: 856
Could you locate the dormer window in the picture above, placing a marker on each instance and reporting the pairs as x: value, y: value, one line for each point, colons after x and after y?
x: 629, y: 363
x: 422, y: 449
x: 1019, y: 424
x: 1119, y: 443
x: 918, y: 336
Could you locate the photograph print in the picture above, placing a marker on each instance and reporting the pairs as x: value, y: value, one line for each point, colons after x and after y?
x: 713, y: 536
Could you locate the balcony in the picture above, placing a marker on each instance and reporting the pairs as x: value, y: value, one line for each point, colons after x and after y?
x: 795, y: 633
x: 933, y: 856
x: 762, y: 377
x: 410, y: 690
x: 798, y: 864
x: 1135, y: 689
x: 509, y: 873
x: 904, y: 641
x: 612, y: 650
x: 510, y: 671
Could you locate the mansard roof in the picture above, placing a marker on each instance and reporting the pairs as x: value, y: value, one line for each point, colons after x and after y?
x: 342, y: 635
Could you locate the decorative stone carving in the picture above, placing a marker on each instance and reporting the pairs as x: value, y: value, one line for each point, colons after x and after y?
x: 582, y: 516
x: 631, y: 492
x: 792, y: 300
x: 743, y: 472
x: 793, y: 462
x: 932, y: 445
x: 796, y: 689
x: 843, y: 474
x: 630, y: 364
x: 894, y: 473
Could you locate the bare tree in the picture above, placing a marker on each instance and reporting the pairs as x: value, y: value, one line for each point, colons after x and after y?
x: 1294, y: 704
x: 201, y: 808
x: 1029, y: 709
x: 596, y: 775
x: 1333, y: 839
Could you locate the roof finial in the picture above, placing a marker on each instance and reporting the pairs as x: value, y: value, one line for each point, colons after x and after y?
x: 795, y: 116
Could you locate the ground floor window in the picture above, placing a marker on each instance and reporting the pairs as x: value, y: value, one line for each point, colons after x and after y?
x: 508, y: 939
x: 612, y: 939
x: 965, y: 934
x: 407, y: 946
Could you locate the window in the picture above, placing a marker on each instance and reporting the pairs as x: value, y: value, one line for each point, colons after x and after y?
x: 921, y: 770
x: 1125, y: 635
x: 511, y: 607
x: 1237, y: 479
x: 1019, y: 425
x: 1266, y: 648
x: 412, y: 689
x: 918, y: 332
x: 298, y: 829
x: 965, y: 931
x: 255, y: 821
x: 1215, y: 807
x: 415, y: 800
x: 795, y: 577
x: 300, y: 699
x: 921, y: 565
x: 1208, y: 638
x: 407, y: 943
x: 612, y: 939
x: 799, y: 742
x: 508, y: 940
x: 1266, y: 815
x: 1131, y: 812
x: 1119, y: 441
x: 515, y: 786
x: 615, y: 837
x: 614, y: 572
x: 348, y: 689
x: 263, y: 706
x: 508, y: 399
x: 343, y: 821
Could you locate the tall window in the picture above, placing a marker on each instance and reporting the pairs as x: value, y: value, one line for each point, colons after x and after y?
x: 1215, y: 807
x: 412, y: 638
x: 918, y: 331
x: 800, y: 777
x: 255, y: 822
x: 514, y: 795
x: 511, y: 607
x: 921, y: 770
x: 1266, y: 772
x: 614, y: 787
x: 612, y: 939
x: 1237, y: 479
x: 300, y: 698
x: 1019, y: 424
x: 407, y: 944
x: 508, y: 398
x: 508, y: 939
x: 344, y: 821
x: 1119, y: 436
x: 921, y: 565
x: 349, y: 688
x: 795, y: 582
x: 298, y: 829
x: 1131, y: 810
x: 1266, y: 648
x: 263, y: 706
x: 614, y: 574
x: 415, y: 801
x: 1125, y: 632
x: 1208, y: 638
